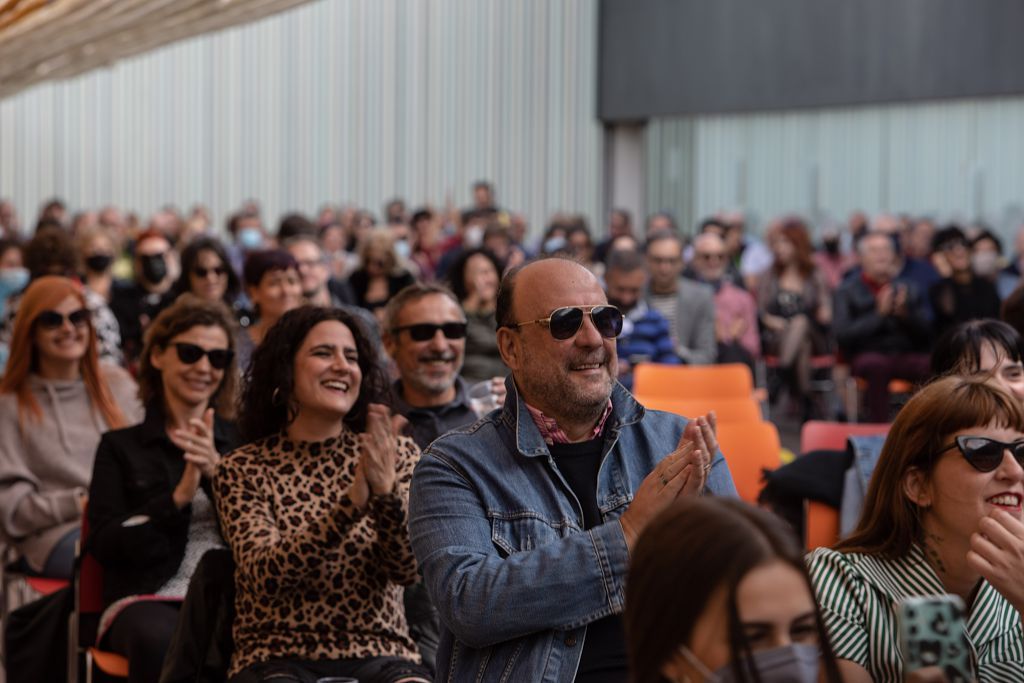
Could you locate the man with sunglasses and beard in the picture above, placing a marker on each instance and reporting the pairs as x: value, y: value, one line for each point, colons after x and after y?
x: 523, y: 522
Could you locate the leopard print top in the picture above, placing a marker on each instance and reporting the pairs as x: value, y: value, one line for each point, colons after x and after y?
x: 316, y: 578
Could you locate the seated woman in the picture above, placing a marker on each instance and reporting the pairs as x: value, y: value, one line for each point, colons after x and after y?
x: 942, y: 515
x: 274, y: 287
x: 55, y: 402
x: 747, y: 612
x: 381, y: 274
x: 315, y: 510
x: 206, y: 272
x: 151, y: 514
x: 474, y: 280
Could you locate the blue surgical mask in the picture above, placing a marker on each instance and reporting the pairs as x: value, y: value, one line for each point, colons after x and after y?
x: 250, y: 238
x: 403, y: 249
x: 793, y: 663
x: 12, y: 280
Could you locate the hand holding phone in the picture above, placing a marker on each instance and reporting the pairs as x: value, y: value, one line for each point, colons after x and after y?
x: 932, y: 635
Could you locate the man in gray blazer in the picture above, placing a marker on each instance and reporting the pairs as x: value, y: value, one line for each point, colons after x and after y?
x: 687, y: 305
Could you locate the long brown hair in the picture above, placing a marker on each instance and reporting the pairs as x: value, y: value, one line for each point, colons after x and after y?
x: 690, y: 550
x: 186, y: 312
x: 890, y: 522
x: 795, y: 231
x: 42, y: 294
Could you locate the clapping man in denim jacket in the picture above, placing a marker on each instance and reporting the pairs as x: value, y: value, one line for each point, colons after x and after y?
x: 523, y: 522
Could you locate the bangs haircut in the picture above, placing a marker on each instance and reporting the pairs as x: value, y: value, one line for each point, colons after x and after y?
x: 890, y: 522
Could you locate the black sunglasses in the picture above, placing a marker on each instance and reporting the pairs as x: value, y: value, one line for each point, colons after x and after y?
x: 985, y: 454
x: 203, y: 272
x: 565, y: 322
x: 422, y: 332
x: 190, y: 354
x: 51, y: 320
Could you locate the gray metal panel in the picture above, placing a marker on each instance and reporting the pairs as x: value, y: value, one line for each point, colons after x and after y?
x: 670, y: 57
x: 354, y: 101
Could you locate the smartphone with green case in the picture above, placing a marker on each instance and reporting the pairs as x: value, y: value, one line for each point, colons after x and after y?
x: 932, y: 634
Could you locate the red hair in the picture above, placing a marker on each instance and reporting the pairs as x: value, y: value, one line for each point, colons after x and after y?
x: 795, y: 231
x: 42, y: 294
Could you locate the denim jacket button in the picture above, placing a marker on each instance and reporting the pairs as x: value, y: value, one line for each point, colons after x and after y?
x: 570, y: 641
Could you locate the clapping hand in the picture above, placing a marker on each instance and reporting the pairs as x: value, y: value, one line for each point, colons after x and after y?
x: 197, y: 442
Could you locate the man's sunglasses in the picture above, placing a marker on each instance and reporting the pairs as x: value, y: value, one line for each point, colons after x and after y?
x: 189, y: 354
x: 200, y: 272
x: 985, y: 454
x: 565, y: 322
x: 51, y: 320
x: 422, y: 332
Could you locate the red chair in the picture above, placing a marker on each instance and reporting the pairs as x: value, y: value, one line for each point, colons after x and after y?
x: 85, y: 620
x: 821, y: 525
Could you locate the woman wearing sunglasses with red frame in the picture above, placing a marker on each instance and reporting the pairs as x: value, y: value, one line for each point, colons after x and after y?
x: 151, y: 515
x: 942, y: 515
x: 55, y: 402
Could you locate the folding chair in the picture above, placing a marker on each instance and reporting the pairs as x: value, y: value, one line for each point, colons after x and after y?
x: 85, y: 620
x: 821, y: 521
x: 726, y: 409
x: 690, y: 382
x: 749, y: 448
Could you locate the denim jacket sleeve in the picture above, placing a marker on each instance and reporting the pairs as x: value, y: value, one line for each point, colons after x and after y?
x: 486, y: 597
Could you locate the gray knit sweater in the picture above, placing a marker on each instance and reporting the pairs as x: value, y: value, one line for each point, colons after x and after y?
x: 46, y: 467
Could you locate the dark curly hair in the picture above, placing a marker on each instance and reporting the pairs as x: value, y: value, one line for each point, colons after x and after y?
x: 457, y: 273
x: 266, y: 406
x: 51, y: 251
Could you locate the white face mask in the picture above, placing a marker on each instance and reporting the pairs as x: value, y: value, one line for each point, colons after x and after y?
x: 985, y: 263
x: 473, y: 237
x: 403, y: 248
x: 793, y: 663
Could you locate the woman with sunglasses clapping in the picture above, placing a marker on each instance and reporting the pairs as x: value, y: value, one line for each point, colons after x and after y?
x: 942, y: 516
x: 55, y: 402
x: 151, y: 512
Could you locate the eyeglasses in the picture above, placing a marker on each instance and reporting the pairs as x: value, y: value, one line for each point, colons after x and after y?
x: 710, y: 257
x: 219, y: 271
x: 422, y: 332
x: 189, y: 354
x: 51, y: 320
x: 985, y: 454
x: 565, y: 322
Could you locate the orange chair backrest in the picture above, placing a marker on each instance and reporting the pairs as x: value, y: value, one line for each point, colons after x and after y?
x: 749, y: 449
x: 821, y: 526
x: 732, y: 380
x: 726, y: 409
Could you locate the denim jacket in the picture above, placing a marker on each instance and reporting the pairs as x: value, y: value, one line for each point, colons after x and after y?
x: 500, y: 538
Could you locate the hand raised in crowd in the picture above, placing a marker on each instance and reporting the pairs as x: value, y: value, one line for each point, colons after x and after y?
x: 379, y: 447
x: 498, y: 390
x: 997, y: 553
x: 187, y: 486
x: 884, y: 300
x: 197, y: 442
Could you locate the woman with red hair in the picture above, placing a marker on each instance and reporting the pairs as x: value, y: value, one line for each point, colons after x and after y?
x: 55, y: 402
x: 795, y: 307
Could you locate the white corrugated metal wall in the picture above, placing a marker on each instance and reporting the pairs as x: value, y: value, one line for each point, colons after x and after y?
x: 952, y: 160
x: 339, y: 100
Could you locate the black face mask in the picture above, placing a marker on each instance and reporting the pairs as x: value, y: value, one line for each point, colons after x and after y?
x: 832, y: 247
x: 98, y: 263
x: 154, y: 268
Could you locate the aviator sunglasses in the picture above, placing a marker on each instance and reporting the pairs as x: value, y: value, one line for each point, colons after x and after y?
x: 565, y: 322
x: 189, y: 354
x: 51, y: 320
x: 422, y: 332
x: 985, y: 454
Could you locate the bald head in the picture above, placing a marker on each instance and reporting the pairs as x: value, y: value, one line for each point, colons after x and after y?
x: 521, y: 284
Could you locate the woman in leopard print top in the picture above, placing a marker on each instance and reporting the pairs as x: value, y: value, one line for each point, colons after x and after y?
x: 315, y: 510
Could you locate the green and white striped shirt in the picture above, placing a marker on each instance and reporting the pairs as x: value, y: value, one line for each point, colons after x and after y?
x: 858, y: 596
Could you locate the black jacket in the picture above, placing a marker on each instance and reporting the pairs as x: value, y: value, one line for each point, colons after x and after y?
x: 858, y: 327
x: 133, y: 479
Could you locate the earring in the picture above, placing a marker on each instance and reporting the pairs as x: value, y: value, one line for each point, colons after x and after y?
x: 275, y: 398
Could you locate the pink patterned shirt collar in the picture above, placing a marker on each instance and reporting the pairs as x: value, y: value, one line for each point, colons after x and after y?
x: 552, y: 433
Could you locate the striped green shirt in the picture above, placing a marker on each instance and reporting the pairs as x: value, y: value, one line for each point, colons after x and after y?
x: 858, y: 596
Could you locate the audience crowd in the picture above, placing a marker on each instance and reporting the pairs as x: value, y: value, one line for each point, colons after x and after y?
x: 415, y: 436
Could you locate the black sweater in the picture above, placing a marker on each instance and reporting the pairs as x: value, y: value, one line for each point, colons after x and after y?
x: 133, y: 480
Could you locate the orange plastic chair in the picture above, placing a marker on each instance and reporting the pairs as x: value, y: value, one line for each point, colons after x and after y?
x: 728, y: 380
x: 749, y: 449
x: 726, y: 409
x: 89, y: 602
x: 821, y: 526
